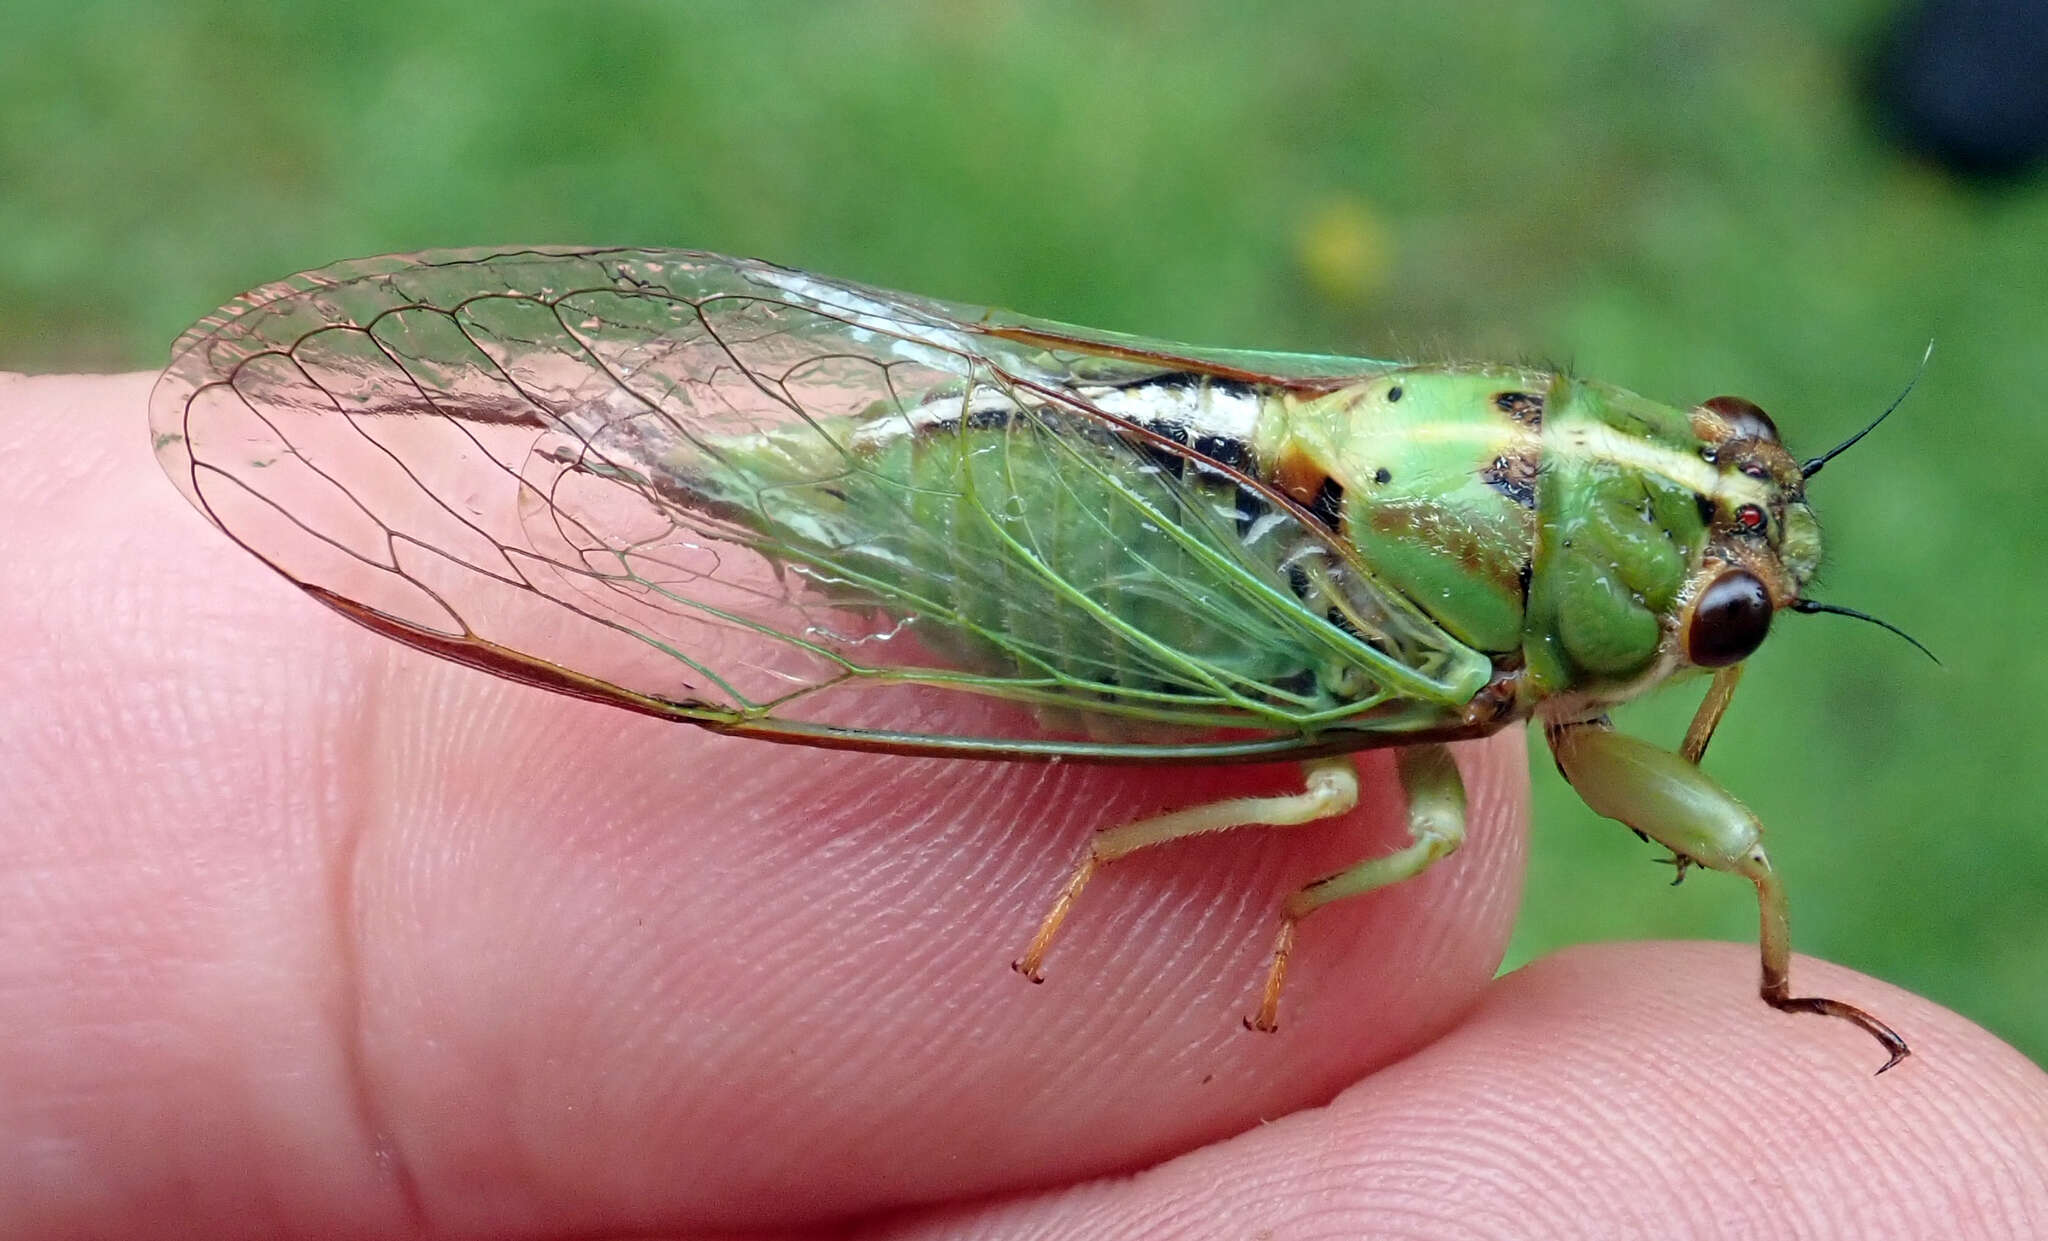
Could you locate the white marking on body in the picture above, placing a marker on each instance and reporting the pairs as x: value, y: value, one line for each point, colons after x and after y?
x: 1201, y: 410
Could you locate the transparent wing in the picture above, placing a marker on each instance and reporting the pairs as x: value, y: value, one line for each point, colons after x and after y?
x: 724, y: 491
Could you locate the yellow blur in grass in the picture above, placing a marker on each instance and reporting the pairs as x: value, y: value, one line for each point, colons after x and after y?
x: 1344, y: 250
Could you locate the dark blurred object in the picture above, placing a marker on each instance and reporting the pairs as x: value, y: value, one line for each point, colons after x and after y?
x: 1965, y: 83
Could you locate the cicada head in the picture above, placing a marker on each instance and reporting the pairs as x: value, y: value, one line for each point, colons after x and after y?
x: 1773, y: 547
x: 1762, y: 543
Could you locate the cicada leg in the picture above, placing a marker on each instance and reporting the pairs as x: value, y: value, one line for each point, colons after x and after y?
x: 1668, y: 799
x: 1436, y: 827
x: 1705, y: 720
x: 1332, y: 789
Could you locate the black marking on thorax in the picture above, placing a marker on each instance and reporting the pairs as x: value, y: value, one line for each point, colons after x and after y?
x: 1523, y: 407
x: 1328, y: 505
x: 1514, y: 475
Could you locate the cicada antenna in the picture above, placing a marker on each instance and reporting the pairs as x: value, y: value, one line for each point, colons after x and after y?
x: 1809, y: 607
x: 1812, y: 467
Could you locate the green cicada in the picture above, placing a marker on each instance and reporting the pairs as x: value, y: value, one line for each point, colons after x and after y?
x: 779, y: 506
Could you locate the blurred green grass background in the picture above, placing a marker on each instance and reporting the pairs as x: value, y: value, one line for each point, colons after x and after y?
x: 1683, y: 196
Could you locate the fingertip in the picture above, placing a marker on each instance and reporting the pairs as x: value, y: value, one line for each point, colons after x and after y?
x: 1623, y: 1090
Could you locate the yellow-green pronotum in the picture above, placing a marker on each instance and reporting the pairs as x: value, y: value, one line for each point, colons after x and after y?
x: 780, y: 506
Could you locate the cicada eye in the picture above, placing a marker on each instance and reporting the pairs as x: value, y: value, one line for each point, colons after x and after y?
x: 1729, y: 621
x: 1747, y: 417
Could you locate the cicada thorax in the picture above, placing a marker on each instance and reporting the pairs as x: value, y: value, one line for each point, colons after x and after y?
x: 1564, y: 528
x: 1620, y: 529
x: 1431, y: 475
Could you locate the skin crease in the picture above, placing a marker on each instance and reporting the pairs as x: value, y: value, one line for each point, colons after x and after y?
x: 307, y: 934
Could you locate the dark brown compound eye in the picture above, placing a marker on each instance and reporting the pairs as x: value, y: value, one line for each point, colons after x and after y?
x: 1729, y: 621
x: 1747, y: 417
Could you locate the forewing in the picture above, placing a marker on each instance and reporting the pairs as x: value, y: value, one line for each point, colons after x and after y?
x: 637, y: 476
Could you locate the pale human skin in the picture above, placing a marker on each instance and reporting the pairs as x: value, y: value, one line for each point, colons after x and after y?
x: 306, y: 934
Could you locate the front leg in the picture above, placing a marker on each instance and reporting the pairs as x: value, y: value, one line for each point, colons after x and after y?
x: 1668, y: 799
